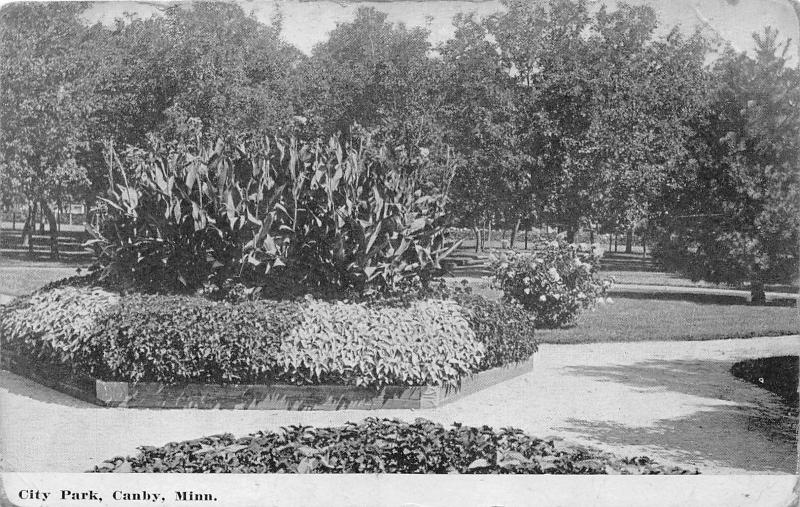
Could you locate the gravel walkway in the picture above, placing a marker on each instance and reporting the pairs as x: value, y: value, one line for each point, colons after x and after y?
x: 674, y: 401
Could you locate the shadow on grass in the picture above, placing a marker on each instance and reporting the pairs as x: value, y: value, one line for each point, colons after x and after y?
x: 700, y: 298
x: 741, y: 426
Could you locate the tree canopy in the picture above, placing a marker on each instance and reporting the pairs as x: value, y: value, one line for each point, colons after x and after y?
x: 559, y: 113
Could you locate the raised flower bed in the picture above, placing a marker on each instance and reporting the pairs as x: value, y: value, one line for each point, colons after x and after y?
x: 191, y: 352
x: 255, y: 396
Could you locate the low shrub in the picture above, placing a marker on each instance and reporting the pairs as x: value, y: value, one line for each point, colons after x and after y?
x: 188, y: 339
x: 381, y: 446
x: 55, y: 325
x: 554, y: 283
x: 426, y: 343
x: 505, y: 329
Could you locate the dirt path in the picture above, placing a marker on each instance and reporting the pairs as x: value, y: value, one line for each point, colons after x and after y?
x: 674, y: 401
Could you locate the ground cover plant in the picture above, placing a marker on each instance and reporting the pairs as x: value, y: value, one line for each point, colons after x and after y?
x: 180, y: 338
x: 381, y: 446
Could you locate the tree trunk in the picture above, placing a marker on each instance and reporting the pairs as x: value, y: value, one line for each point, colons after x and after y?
x: 609, y: 241
x: 571, y: 235
x: 615, y: 242
x: 29, y: 228
x: 51, y: 219
x: 477, y: 231
x: 629, y: 240
x: 526, y: 238
x: 514, y: 232
x: 490, y: 235
x: 591, y: 235
x: 757, y: 294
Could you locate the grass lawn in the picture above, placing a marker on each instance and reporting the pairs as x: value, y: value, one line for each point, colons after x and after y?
x: 629, y: 320
x: 19, y: 280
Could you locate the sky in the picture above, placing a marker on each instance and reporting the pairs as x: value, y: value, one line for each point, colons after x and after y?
x: 308, y: 22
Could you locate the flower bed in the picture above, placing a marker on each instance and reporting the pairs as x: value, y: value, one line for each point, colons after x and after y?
x: 156, y: 350
x: 381, y: 446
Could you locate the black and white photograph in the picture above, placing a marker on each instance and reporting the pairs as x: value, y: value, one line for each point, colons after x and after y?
x: 382, y: 239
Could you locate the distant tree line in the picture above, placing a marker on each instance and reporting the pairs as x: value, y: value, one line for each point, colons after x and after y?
x: 555, y: 114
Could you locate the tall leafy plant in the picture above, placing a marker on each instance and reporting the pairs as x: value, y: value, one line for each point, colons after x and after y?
x: 260, y: 209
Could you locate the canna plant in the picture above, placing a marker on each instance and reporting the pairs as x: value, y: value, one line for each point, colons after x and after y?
x: 261, y: 210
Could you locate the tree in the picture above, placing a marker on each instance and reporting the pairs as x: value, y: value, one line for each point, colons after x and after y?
x: 45, y: 105
x: 646, y: 94
x: 581, y: 113
x: 737, y: 216
x: 483, y: 120
x: 367, y: 69
x: 374, y: 78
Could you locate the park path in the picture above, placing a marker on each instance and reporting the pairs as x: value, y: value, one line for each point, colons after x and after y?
x: 674, y: 401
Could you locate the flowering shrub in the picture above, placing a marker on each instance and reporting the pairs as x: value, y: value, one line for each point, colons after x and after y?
x: 555, y: 282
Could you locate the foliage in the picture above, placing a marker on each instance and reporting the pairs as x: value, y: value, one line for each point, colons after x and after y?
x: 175, y: 338
x: 208, y: 60
x: 505, y: 329
x: 368, y: 71
x: 381, y: 446
x: 567, y: 114
x: 426, y: 343
x: 185, y: 339
x: 46, y: 107
x: 374, y: 76
x: 734, y: 214
x: 45, y: 103
x: 338, y: 216
x: 55, y: 324
x: 554, y: 283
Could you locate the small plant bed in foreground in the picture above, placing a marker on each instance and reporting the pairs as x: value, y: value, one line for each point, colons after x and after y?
x: 381, y: 446
x: 190, y: 351
x: 776, y: 374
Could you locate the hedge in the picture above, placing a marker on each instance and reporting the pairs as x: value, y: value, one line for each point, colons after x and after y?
x: 175, y: 339
x: 381, y: 446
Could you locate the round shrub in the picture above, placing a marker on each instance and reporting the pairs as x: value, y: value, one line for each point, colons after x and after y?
x: 427, y: 342
x: 554, y: 283
x: 381, y: 446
